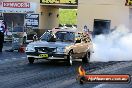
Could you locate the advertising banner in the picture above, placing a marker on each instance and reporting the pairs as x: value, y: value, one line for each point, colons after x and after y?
x: 32, y: 20
x: 67, y: 2
x: 128, y: 3
x: 17, y: 7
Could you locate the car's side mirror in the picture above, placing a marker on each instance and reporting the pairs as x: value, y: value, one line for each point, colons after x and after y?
x: 78, y: 41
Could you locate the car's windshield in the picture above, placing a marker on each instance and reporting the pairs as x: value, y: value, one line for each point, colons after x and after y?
x: 65, y: 36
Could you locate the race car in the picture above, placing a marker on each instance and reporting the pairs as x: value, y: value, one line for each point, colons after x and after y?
x: 65, y: 44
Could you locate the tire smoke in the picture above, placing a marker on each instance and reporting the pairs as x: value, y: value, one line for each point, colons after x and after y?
x: 116, y: 46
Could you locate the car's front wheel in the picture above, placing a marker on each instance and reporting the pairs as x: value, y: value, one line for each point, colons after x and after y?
x: 70, y: 58
x: 86, y: 58
x: 31, y: 60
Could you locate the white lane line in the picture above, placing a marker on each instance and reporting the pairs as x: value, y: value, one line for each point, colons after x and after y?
x: 6, y: 59
x: 100, y: 86
x: 23, y: 57
x: 0, y: 61
x: 14, y: 58
x: 113, y: 68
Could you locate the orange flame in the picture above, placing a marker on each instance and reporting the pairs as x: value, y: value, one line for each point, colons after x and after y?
x: 81, y: 70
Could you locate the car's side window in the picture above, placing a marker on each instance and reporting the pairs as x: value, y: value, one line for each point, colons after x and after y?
x: 46, y: 36
x: 78, y: 37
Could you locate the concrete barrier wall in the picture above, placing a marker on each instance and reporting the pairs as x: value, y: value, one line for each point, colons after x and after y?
x: 114, y: 10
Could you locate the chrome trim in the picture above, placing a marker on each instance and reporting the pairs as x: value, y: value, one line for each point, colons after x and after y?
x: 49, y: 58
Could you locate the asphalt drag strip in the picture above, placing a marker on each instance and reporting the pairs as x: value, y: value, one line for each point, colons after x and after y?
x: 45, y: 74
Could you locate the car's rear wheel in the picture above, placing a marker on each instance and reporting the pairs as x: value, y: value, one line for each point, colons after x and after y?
x: 31, y: 60
x: 86, y: 58
x: 70, y: 58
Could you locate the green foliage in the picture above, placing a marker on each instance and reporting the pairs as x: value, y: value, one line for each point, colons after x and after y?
x: 68, y: 16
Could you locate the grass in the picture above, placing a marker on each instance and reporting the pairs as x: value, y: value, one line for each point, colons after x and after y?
x: 68, y: 16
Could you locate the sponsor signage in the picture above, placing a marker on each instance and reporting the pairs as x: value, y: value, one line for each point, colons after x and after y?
x: 84, y: 77
x: 32, y: 20
x: 68, y: 2
x: 128, y: 3
x: 16, y: 4
x: 18, y: 7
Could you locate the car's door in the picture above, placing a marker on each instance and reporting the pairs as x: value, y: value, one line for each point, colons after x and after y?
x: 87, y: 43
x: 78, y: 46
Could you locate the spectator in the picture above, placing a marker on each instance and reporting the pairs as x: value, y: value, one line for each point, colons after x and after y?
x: 85, y: 30
x: 3, y: 28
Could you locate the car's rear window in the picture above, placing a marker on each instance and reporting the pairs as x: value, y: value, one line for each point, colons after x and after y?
x: 65, y: 36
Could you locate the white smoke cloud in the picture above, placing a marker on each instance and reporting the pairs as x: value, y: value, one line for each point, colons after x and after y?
x: 117, y: 46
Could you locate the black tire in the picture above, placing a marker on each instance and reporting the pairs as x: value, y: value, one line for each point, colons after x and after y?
x: 31, y: 60
x: 82, y: 80
x: 70, y: 59
x: 86, y: 58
